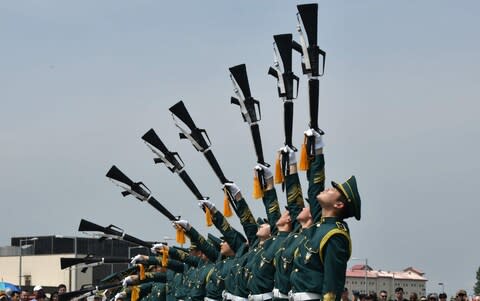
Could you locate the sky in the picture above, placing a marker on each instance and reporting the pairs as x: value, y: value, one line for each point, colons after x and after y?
x: 81, y: 82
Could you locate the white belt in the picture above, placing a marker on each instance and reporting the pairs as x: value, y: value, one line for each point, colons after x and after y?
x: 209, y: 299
x: 304, y: 296
x: 237, y: 298
x: 260, y: 297
x: 227, y: 296
x: 278, y: 294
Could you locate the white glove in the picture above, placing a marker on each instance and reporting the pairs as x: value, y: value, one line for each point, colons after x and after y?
x: 157, y: 247
x: 183, y: 223
x: 318, y: 138
x: 121, y: 295
x: 292, y: 158
x: 127, y: 281
x: 267, y: 173
x: 137, y: 259
x: 208, y: 204
x: 233, y: 189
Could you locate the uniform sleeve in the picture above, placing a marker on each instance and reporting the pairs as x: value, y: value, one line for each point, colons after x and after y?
x: 234, y: 238
x: 157, y: 277
x: 203, y: 244
x: 294, y: 197
x: 316, y: 184
x: 184, y: 257
x: 247, y: 220
x: 335, y: 256
x: 270, y: 201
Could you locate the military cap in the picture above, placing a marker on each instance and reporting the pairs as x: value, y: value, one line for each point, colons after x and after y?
x: 442, y: 296
x: 350, y: 191
x: 432, y: 296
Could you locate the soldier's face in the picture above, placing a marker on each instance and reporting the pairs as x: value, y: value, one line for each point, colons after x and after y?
x: 225, y: 249
x: 284, y: 219
x: 328, y: 197
x: 263, y: 231
x: 304, y: 215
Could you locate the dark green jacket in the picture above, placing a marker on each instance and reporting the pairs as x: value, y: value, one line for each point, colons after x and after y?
x: 320, y: 262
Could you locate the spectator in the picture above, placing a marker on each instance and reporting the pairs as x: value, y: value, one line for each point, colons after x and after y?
x: 15, y: 296
x: 461, y: 295
x: 61, y: 288
x: 383, y: 296
x: 476, y: 298
x: 442, y: 297
x: 356, y: 295
x: 40, y: 295
x: 54, y: 296
x: 399, y: 294
x: 8, y: 292
x: 344, y: 296
x: 413, y: 297
x: 24, y: 296
x: 432, y: 297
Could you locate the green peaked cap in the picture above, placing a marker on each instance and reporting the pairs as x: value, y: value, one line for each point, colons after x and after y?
x: 350, y: 191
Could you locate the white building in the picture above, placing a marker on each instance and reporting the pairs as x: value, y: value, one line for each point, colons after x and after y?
x: 363, y: 279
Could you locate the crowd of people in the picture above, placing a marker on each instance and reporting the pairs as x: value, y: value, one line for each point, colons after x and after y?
x: 38, y: 294
x: 461, y: 295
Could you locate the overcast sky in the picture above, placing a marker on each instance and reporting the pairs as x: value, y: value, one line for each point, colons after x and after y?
x: 82, y: 81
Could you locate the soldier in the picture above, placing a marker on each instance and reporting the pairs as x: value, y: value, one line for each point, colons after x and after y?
x: 320, y: 261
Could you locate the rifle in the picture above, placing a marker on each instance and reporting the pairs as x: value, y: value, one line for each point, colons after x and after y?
x: 282, y: 71
x: 86, y: 291
x: 138, y: 190
x: 115, y: 277
x: 200, y: 140
x: 89, y: 260
x: 112, y: 232
x: 307, y: 18
x: 172, y: 161
x: 142, y: 193
x: 250, y: 109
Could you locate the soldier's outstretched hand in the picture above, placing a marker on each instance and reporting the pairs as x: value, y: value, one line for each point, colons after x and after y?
x: 183, y: 224
x: 318, y: 138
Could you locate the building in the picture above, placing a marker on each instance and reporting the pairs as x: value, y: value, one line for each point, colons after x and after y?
x: 363, y: 278
x: 31, y: 261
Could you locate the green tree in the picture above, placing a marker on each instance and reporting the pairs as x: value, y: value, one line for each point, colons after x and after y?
x: 476, y: 288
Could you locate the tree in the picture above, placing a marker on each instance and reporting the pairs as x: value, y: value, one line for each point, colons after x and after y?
x: 476, y: 288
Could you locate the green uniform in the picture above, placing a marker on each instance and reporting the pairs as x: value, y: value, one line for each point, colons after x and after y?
x: 283, y: 259
x: 320, y: 262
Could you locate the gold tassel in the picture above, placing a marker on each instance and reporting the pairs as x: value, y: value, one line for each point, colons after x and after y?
x: 257, y: 189
x: 304, y: 162
x: 141, y: 271
x: 165, y: 259
x: 278, y: 170
x: 180, y: 235
x: 208, y: 217
x: 227, y: 210
x: 135, y: 293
